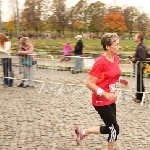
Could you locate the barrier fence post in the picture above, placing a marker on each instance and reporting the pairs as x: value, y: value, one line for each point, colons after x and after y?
x: 140, y: 78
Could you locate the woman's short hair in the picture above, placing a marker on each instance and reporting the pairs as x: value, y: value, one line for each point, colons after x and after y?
x: 108, y: 39
x: 24, y: 39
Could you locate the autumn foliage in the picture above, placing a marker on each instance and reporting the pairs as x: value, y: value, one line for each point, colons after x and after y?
x: 78, y: 25
x: 114, y: 22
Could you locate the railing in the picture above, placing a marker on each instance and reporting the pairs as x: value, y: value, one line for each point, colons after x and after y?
x: 142, y: 72
x: 52, y: 68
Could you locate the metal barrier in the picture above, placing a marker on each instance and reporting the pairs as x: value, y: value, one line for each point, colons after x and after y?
x: 53, y: 68
x: 87, y: 63
x: 127, y: 71
x: 142, y: 72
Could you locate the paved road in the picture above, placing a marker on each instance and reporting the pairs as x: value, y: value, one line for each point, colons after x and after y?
x: 45, y: 121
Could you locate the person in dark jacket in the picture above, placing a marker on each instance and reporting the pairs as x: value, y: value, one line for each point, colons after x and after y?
x: 78, y: 52
x: 140, y: 55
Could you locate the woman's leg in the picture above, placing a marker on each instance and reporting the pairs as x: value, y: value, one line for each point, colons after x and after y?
x: 76, y: 65
x: 10, y: 81
x: 96, y: 130
x: 26, y: 75
x: 108, y: 114
x: 80, y: 64
x: 5, y: 69
x: 32, y: 75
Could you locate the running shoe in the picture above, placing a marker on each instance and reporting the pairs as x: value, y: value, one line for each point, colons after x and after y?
x: 80, y: 136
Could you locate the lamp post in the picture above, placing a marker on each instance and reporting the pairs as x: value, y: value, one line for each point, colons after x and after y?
x: 143, y: 26
x: 130, y: 24
x: 1, y: 17
x: 18, y: 20
x: 70, y: 23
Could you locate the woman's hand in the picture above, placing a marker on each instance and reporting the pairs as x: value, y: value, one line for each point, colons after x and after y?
x: 124, y: 82
x: 133, y: 59
x: 110, y: 96
x: 19, y: 52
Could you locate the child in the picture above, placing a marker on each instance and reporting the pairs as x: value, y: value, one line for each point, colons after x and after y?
x: 67, y: 51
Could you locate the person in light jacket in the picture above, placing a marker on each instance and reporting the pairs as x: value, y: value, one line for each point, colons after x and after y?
x: 26, y: 51
x: 67, y: 51
x: 5, y: 55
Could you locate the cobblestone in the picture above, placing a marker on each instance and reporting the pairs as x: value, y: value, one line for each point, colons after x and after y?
x: 46, y: 121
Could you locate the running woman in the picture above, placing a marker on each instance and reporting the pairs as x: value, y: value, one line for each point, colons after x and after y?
x: 102, y: 81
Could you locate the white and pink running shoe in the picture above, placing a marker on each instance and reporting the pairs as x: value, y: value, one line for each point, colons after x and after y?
x: 80, y: 132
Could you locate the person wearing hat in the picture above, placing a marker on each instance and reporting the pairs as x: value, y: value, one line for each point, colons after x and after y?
x: 28, y: 61
x: 78, y: 52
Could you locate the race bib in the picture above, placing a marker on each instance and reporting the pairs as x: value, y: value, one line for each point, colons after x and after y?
x: 113, y: 89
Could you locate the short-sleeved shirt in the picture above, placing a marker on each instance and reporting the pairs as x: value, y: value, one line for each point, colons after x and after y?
x: 108, y: 74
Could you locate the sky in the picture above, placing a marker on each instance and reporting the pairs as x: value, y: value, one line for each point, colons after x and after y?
x: 144, y: 7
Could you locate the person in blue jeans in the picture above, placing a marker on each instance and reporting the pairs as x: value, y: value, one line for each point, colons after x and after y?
x: 78, y: 53
x: 5, y: 55
x: 28, y: 61
x: 8, y: 72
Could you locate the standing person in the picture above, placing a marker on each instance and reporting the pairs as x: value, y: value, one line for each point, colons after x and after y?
x: 102, y: 82
x: 5, y: 55
x: 67, y: 51
x: 140, y: 55
x: 78, y: 52
x: 29, y: 62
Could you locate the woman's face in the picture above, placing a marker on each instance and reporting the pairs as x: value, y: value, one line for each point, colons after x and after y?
x: 26, y: 43
x: 114, y: 48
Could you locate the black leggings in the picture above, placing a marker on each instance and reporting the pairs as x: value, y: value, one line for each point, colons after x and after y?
x: 108, y: 115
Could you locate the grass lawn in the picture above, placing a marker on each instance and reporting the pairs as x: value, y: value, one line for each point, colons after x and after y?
x: 91, y: 45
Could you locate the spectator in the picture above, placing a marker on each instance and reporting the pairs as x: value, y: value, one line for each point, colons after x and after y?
x: 67, y: 51
x: 5, y: 55
x: 140, y: 55
x: 29, y: 62
x: 78, y: 51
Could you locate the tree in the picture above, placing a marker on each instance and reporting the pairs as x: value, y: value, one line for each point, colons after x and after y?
x: 33, y: 14
x: 95, y: 14
x: 78, y: 25
x: 130, y: 14
x: 14, y: 7
x: 115, y: 9
x: 114, y: 22
x: 59, y: 15
x: 79, y: 12
x: 10, y: 25
x: 143, y: 21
